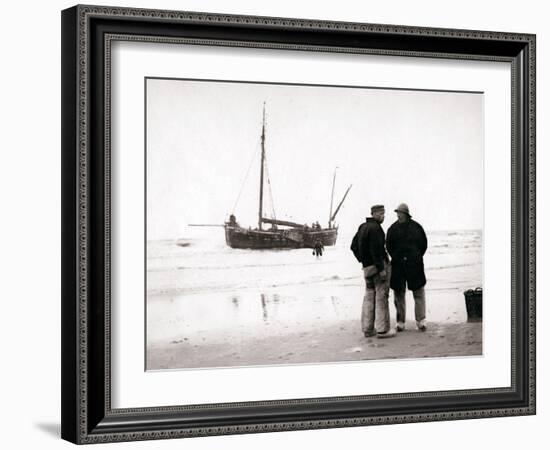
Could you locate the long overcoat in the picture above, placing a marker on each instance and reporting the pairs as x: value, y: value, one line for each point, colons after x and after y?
x: 406, y: 243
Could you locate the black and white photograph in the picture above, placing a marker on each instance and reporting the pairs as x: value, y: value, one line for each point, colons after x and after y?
x: 302, y: 224
x: 275, y: 225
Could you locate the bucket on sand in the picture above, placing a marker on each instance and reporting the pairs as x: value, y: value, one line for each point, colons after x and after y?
x: 474, y: 303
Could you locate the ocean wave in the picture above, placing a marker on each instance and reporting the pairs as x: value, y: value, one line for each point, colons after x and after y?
x: 234, y: 266
x: 189, y: 290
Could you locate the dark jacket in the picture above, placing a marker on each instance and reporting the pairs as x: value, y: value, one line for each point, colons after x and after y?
x: 406, y: 244
x: 368, y: 244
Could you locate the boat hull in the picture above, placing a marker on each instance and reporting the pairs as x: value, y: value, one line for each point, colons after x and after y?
x: 238, y: 237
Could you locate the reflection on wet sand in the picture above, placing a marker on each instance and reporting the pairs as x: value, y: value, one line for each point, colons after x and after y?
x: 195, y: 331
x: 270, y: 302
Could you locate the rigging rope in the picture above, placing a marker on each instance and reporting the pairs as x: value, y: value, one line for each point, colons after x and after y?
x: 245, y: 178
x: 270, y: 191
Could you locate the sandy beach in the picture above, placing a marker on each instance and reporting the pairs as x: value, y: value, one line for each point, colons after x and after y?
x: 212, y: 306
x: 336, y: 343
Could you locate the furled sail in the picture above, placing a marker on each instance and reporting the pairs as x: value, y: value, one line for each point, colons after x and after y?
x: 284, y: 223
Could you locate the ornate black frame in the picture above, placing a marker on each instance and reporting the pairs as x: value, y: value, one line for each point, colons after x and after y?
x: 87, y: 416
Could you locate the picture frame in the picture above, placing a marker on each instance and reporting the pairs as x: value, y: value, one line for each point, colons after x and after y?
x: 87, y: 366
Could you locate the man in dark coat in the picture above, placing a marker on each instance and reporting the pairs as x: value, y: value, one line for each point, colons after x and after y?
x: 318, y: 248
x: 406, y: 244
x: 368, y: 246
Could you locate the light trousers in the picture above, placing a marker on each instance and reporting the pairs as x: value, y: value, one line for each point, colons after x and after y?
x: 419, y: 296
x: 375, y: 315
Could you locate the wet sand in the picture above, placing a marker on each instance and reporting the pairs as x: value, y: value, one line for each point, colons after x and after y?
x: 339, y: 342
x: 212, y: 306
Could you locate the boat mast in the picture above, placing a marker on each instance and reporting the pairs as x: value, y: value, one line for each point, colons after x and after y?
x: 332, y: 198
x: 262, y: 173
x: 341, y: 202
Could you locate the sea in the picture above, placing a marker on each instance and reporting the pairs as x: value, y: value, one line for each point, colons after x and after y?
x: 199, y: 285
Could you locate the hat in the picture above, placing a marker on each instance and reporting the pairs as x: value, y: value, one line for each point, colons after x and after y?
x: 376, y: 208
x: 404, y: 209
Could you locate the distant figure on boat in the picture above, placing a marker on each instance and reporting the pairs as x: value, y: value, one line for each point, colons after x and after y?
x: 281, y: 233
x: 318, y: 248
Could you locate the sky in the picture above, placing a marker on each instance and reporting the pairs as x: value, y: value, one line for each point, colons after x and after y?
x: 423, y: 148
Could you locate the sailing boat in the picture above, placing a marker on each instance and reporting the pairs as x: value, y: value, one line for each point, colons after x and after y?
x: 294, y: 235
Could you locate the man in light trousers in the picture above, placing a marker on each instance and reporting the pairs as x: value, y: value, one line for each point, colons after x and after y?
x: 407, y: 244
x: 368, y: 246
